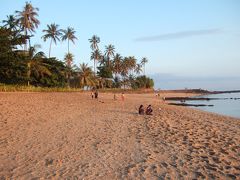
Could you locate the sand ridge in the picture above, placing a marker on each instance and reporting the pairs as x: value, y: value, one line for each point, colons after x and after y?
x: 60, y: 135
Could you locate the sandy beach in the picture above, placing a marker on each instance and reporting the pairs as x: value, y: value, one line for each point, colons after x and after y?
x: 69, y: 135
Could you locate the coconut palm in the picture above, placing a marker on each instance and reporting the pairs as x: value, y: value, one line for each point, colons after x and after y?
x: 117, y: 61
x: 27, y: 19
x: 35, y: 63
x: 128, y: 64
x: 53, y: 33
x: 124, y: 67
x: 86, y: 75
x: 69, y: 35
x: 13, y: 32
x: 124, y: 71
x: 96, y: 56
x: 143, y: 62
x: 109, y: 52
x: 94, y: 42
x: 132, y: 62
x: 68, y: 58
x: 10, y: 23
x: 138, y: 68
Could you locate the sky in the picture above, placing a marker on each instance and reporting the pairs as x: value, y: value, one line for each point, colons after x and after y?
x: 189, y: 44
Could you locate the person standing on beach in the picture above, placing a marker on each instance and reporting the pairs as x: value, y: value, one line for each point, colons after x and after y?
x: 122, y: 97
x: 92, y: 94
x: 114, y: 97
x: 96, y: 94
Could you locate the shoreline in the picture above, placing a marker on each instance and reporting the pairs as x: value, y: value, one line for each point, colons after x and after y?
x: 60, y: 135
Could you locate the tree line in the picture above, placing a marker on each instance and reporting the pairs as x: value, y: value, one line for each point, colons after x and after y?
x: 23, y: 63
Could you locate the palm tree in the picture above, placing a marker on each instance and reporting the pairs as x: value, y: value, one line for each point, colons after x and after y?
x: 10, y: 23
x: 86, y: 75
x: 117, y: 61
x: 14, y: 33
x: 132, y: 62
x: 143, y: 62
x: 138, y: 68
x: 69, y: 35
x: 35, y: 63
x: 125, y: 66
x: 94, y: 42
x: 94, y: 46
x: 27, y: 19
x: 110, y: 49
x: 68, y: 58
x: 53, y: 33
x: 96, y: 56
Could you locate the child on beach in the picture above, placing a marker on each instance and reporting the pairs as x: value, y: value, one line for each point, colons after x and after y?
x: 92, y: 94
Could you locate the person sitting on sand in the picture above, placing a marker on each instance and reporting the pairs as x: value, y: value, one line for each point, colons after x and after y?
x: 141, y: 110
x: 149, y: 110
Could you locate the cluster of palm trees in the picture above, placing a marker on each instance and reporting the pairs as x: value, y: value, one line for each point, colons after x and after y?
x: 118, y: 65
x: 25, y: 23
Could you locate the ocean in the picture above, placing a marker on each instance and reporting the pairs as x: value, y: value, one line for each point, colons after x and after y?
x: 228, y: 104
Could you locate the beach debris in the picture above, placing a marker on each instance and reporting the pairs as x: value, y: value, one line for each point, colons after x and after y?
x: 194, y: 105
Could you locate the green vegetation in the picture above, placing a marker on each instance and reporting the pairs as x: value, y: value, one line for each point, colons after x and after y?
x: 23, y: 67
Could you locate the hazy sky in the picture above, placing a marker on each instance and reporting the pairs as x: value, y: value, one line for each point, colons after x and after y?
x: 197, y: 39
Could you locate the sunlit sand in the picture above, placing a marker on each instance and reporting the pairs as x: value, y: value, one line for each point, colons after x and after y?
x: 59, y: 135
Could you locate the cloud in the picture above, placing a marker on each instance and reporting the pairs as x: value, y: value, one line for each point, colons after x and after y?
x: 178, y: 35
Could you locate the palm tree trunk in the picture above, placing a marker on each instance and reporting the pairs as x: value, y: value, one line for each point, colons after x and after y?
x: 68, y: 46
x: 50, y: 48
x: 68, y: 80
x: 29, y: 42
x: 28, y: 74
x: 25, y: 45
x: 144, y: 69
x: 94, y: 67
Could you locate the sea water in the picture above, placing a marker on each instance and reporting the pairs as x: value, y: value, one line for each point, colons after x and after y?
x: 227, y: 104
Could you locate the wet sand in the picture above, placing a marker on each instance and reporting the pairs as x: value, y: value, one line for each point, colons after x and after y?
x: 60, y: 135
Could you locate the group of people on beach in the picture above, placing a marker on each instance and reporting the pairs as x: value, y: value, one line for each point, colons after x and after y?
x: 148, y: 110
x: 94, y: 94
x: 141, y: 110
